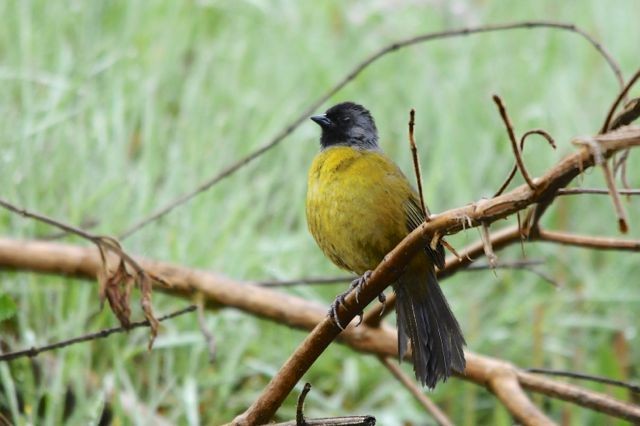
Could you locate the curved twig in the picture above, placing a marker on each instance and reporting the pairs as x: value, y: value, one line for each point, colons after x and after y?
x: 524, y: 137
x: 625, y: 89
x: 514, y: 146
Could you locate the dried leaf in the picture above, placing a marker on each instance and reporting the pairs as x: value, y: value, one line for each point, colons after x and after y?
x: 118, y: 291
x: 145, y: 302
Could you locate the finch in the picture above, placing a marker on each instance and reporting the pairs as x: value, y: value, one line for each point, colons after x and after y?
x: 359, y: 207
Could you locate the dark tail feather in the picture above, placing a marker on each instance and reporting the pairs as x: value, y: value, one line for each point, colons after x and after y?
x: 424, y: 317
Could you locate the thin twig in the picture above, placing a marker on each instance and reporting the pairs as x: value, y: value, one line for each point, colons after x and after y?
x: 517, y: 264
x: 32, y: 352
x: 209, y: 338
x: 629, y: 114
x: 300, y: 407
x: 595, y: 191
x: 514, y: 144
x: 351, y: 75
x: 593, y: 145
x: 438, y: 415
x: 416, y: 164
x: 625, y: 89
x: 523, y: 265
x: 598, y: 379
x: 523, y: 139
x: 49, y: 221
x: 328, y: 421
x: 305, y: 281
x: 615, y: 198
x: 488, y: 249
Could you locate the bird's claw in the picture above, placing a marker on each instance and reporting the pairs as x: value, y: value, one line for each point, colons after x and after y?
x: 340, y: 299
x: 382, y: 299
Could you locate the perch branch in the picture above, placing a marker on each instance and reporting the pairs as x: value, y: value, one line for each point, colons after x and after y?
x: 388, y: 270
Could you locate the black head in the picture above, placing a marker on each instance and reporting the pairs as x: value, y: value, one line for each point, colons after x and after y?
x: 347, y: 124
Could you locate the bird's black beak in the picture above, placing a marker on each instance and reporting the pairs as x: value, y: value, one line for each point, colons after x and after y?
x: 322, y: 121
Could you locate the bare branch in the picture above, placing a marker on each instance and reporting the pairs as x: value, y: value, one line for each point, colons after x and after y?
x: 585, y: 241
x: 514, y: 145
x: 504, y: 384
x: 81, y: 262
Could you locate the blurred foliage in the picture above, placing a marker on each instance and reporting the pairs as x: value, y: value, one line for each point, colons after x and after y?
x: 112, y: 109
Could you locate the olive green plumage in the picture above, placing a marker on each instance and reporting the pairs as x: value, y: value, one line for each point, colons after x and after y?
x: 359, y: 207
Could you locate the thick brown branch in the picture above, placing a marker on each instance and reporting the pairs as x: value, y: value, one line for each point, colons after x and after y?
x: 468, y: 255
x: 81, y: 262
x: 504, y: 384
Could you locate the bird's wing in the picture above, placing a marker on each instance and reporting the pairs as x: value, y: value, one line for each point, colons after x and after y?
x: 415, y: 217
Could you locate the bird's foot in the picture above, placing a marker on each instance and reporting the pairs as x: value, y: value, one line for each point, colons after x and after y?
x: 382, y: 299
x: 340, y: 299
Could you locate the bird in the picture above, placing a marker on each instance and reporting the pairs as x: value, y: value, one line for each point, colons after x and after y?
x: 359, y: 206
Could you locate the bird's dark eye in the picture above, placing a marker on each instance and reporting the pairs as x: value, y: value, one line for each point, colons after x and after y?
x: 345, y: 119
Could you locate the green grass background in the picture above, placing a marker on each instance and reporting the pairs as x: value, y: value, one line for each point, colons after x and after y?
x: 112, y: 109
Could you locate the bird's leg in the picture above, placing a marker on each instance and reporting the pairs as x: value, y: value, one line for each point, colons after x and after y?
x: 340, y: 299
